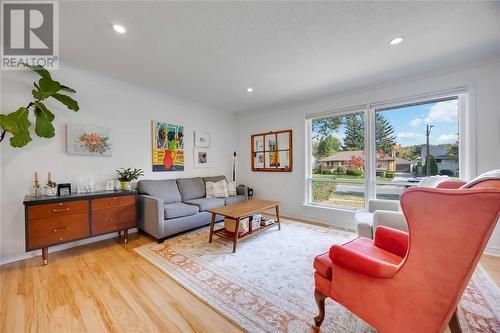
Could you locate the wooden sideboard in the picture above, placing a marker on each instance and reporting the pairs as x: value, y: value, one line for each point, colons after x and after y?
x: 54, y: 220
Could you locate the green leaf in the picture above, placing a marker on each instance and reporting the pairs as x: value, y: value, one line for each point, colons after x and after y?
x: 49, y: 86
x: 40, y: 71
x: 68, y: 101
x: 43, y: 125
x: 68, y: 89
x: 17, y: 124
x: 44, y: 109
x: 37, y: 95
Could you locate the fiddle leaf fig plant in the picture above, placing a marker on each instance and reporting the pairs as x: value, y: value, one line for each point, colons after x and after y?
x: 17, y: 123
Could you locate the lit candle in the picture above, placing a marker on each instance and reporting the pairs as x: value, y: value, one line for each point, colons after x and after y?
x: 36, y: 176
x: 49, y: 177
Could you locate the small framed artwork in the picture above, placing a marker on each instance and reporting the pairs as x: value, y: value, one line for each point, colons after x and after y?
x: 63, y: 189
x: 201, y: 139
x: 201, y: 158
x: 88, y: 140
x: 110, y: 185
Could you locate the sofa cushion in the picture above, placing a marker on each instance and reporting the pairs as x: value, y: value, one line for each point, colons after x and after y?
x: 214, y: 179
x: 206, y: 203
x: 179, y: 209
x: 234, y: 199
x: 191, y: 188
x: 165, y: 189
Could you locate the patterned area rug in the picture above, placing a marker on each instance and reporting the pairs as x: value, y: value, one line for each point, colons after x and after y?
x: 267, y: 285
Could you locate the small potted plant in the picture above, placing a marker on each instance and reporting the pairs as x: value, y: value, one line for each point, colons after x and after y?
x: 125, y: 176
x: 51, y: 188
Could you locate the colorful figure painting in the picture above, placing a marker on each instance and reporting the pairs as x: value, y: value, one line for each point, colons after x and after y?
x: 168, y: 146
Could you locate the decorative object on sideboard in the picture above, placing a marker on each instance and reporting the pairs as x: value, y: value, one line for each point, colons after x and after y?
x: 272, y: 151
x: 88, y: 140
x: 167, y: 146
x: 201, y: 139
x: 17, y: 123
x: 110, y: 185
x: 87, y: 184
x: 51, y: 187
x: 201, y: 158
x: 125, y: 176
x: 63, y: 189
x: 36, y: 190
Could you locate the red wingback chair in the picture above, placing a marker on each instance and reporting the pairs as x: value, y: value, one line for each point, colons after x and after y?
x: 412, y: 282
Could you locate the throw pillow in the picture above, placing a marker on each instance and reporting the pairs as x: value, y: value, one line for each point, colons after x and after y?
x: 216, y: 190
x: 220, y: 189
x: 209, y: 189
x: 494, y: 174
x: 432, y: 181
x: 231, y: 188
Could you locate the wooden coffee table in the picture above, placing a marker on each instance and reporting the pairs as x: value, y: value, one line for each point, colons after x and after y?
x: 239, y: 211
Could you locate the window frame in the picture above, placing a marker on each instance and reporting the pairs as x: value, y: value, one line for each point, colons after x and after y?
x: 466, y: 125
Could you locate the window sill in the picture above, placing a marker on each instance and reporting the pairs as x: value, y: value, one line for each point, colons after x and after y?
x: 339, y: 208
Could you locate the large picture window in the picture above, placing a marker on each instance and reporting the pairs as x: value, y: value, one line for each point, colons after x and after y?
x: 379, y: 151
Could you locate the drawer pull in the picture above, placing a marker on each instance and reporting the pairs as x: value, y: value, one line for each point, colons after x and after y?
x: 115, y: 219
x: 60, y: 229
x: 114, y: 202
x: 61, y: 210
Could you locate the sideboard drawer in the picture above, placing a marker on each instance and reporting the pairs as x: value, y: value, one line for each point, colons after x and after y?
x: 57, y: 229
x: 112, y: 219
x: 58, y: 209
x: 117, y: 201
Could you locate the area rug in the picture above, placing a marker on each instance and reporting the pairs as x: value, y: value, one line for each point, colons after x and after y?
x: 267, y: 285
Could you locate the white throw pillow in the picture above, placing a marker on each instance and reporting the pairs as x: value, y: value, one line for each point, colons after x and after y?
x: 209, y: 189
x: 432, y: 181
x: 231, y: 188
x: 493, y: 174
x: 216, y: 190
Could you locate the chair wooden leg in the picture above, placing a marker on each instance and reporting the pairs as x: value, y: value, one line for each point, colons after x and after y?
x: 454, y: 323
x: 320, y: 301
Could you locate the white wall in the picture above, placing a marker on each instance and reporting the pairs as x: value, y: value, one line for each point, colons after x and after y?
x: 128, y: 111
x: 483, y: 83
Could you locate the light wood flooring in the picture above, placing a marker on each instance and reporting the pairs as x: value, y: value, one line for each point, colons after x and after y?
x: 107, y: 287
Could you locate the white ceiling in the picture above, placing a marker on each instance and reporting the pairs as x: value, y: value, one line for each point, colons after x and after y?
x: 210, y: 52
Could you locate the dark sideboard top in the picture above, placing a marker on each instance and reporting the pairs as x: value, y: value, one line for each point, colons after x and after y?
x: 32, y: 200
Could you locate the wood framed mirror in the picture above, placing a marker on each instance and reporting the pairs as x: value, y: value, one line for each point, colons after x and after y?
x: 272, y: 151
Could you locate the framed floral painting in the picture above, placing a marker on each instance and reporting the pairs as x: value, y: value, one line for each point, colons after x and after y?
x: 88, y: 140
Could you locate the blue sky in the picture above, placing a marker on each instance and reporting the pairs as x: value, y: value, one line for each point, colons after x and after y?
x: 410, y: 122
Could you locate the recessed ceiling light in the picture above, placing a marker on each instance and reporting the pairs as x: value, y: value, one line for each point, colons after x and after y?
x: 396, y: 40
x: 119, y: 28
x: 249, y: 90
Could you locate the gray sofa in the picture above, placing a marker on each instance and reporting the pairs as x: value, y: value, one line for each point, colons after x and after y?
x: 169, y: 206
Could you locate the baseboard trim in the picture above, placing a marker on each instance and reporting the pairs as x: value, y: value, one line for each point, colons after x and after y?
x: 309, y: 221
x: 492, y: 251
x: 36, y: 253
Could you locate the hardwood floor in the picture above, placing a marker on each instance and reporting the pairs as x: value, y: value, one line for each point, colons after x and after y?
x: 100, y: 287
x: 107, y: 287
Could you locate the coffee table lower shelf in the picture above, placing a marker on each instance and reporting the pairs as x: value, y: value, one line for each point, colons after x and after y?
x: 224, y: 233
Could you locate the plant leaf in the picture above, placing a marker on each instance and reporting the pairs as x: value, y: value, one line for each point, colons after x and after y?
x: 68, y: 101
x: 42, y: 107
x: 17, y: 124
x: 37, y: 95
x: 48, y: 86
x: 68, y: 89
x: 43, y: 125
x: 40, y: 71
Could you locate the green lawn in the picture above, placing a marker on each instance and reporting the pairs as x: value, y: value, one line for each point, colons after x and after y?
x: 379, y: 179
